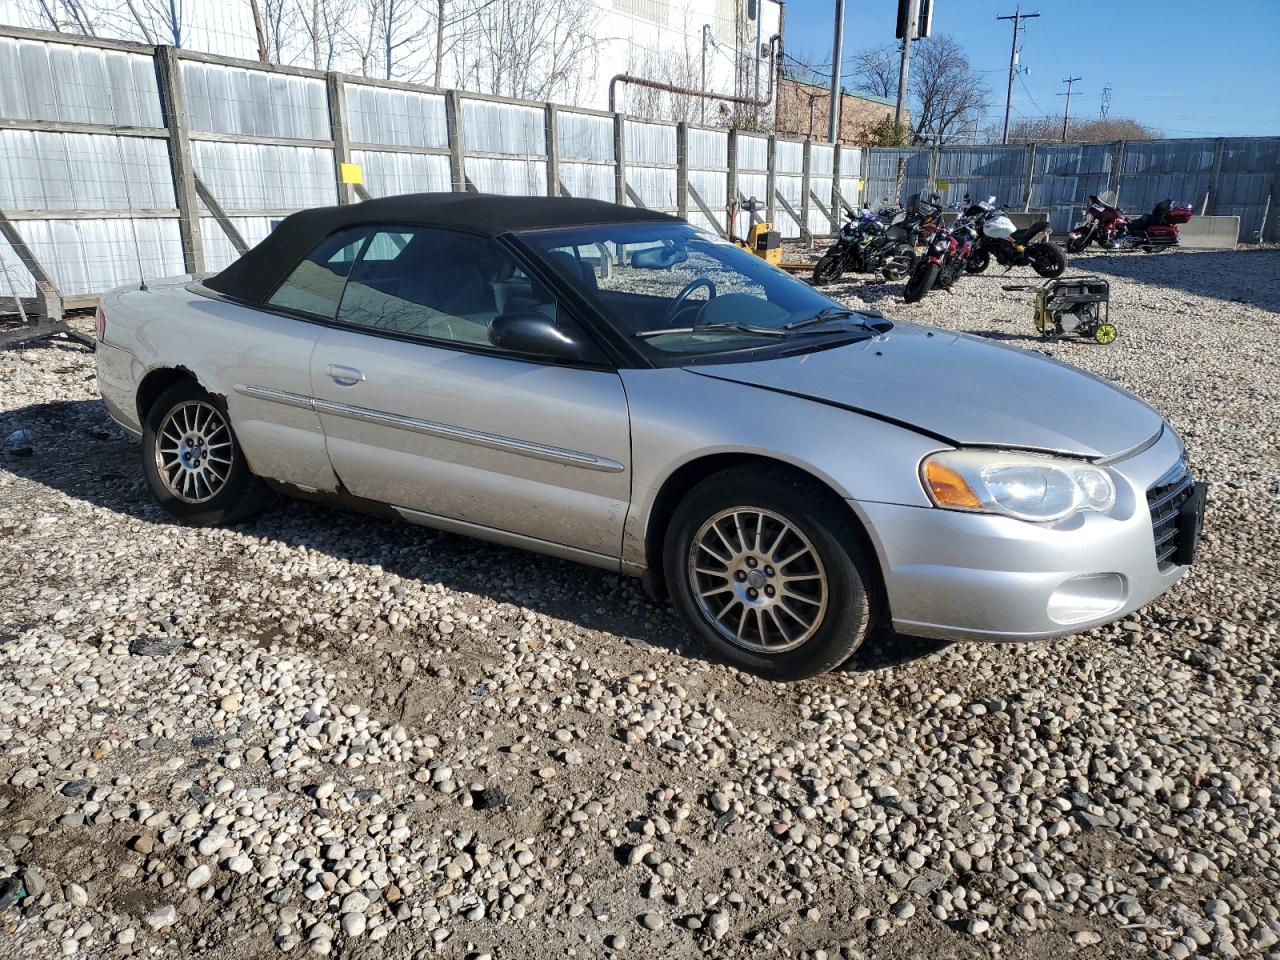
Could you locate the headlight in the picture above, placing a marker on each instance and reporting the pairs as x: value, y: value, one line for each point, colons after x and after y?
x: 1020, y: 485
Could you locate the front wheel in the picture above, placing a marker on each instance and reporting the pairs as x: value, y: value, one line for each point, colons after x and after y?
x: 1047, y: 260
x: 1078, y: 240
x: 978, y: 261
x: 767, y: 568
x: 828, y: 269
x: 899, y: 263
x: 922, y: 280
x: 193, y: 462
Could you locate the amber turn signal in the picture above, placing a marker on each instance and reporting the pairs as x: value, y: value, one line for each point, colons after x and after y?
x: 949, y: 488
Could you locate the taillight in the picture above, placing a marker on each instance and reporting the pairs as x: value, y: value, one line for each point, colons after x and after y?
x: 100, y: 319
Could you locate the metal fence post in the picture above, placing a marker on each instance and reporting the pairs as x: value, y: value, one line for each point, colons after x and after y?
x: 837, y: 187
x: 174, y: 110
x: 453, y: 121
x: 553, y: 150
x: 933, y: 169
x: 731, y: 177
x: 1029, y: 177
x: 1211, y: 192
x: 682, y: 169
x: 338, y: 130
x: 1117, y: 164
x: 771, y: 180
x: 620, y: 158
x: 806, y: 179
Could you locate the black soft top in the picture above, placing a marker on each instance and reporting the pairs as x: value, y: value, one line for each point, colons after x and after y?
x: 256, y: 274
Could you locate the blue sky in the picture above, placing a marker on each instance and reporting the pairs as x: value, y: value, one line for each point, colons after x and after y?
x: 1216, y: 72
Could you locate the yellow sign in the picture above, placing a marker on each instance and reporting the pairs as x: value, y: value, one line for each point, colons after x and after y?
x: 351, y: 173
x: 944, y: 184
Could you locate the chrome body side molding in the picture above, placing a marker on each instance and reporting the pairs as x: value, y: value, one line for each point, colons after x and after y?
x: 538, y: 451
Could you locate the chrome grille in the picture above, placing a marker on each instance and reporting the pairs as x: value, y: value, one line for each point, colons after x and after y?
x: 1165, y: 498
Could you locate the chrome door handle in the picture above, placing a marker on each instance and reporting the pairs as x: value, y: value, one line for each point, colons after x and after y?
x: 343, y: 376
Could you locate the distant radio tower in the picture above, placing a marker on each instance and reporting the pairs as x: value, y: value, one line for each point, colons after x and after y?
x: 1105, y: 107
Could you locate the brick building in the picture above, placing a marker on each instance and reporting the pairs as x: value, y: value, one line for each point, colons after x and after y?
x: 802, y: 111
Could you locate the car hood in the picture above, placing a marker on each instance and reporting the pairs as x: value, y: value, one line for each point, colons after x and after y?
x: 961, y: 389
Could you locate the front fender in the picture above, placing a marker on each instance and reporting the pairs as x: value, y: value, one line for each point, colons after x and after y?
x: 678, y: 417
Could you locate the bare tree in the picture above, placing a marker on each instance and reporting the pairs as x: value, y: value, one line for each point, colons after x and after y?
x: 1079, y: 131
x: 679, y: 67
x: 259, y: 31
x: 401, y: 29
x: 279, y: 28
x: 948, y: 96
x: 153, y: 21
x: 875, y: 70
x: 531, y: 49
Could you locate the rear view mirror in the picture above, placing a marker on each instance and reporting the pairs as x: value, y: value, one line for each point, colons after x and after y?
x: 659, y: 258
x: 534, y: 334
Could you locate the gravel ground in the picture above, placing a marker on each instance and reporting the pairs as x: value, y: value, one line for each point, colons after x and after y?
x: 325, y: 734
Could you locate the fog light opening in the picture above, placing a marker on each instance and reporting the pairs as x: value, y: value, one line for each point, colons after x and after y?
x: 1087, y: 597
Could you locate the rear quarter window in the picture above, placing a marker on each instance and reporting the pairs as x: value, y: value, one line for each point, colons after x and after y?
x: 315, y: 285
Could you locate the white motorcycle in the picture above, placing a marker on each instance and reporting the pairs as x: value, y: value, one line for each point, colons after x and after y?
x: 998, y: 238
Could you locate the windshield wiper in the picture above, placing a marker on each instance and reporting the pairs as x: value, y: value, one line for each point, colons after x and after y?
x: 832, y: 313
x: 714, y: 328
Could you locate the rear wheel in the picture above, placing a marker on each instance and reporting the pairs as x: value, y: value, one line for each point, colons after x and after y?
x: 767, y: 568
x: 1047, y: 260
x: 922, y: 280
x: 828, y: 269
x: 1106, y: 333
x: 193, y: 462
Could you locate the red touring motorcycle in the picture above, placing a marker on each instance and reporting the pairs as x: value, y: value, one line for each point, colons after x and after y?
x: 1106, y: 225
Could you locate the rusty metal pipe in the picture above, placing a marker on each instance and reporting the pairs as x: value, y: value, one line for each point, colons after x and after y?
x: 774, y: 43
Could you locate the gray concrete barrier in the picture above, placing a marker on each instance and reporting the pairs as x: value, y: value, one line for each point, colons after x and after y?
x: 1210, y: 233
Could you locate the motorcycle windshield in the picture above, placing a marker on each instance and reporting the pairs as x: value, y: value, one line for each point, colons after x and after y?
x: 1109, y: 198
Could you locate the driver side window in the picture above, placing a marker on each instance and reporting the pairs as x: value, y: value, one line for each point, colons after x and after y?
x: 440, y: 285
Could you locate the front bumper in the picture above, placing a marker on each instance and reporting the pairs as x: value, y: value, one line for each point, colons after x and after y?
x: 967, y: 576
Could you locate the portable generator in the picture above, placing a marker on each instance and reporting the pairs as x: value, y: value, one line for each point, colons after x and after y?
x: 1079, y: 306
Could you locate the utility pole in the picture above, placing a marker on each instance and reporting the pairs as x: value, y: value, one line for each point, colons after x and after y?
x: 837, y: 54
x: 755, y: 55
x: 702, y: 107
x: 1104, y: 106
x: 1066, y: 113
x: 908, y: 33
x: 1017, y: 18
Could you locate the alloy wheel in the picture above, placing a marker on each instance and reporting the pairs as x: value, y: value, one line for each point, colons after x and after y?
x: 757, y: 579
x: 193, y: 451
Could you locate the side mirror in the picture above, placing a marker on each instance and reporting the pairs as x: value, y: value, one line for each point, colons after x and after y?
x: 535, y: 334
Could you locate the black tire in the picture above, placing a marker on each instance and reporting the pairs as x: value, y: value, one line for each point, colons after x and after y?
x: 838, y: 628
x: 238, y: 496
x: 978, y: 261
x: 828, y: 269
x: 1076, y: 242
x: 1047, y: 259
x: 922, y: 280
x: 900, y: 263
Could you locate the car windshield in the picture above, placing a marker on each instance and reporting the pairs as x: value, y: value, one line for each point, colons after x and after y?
x: 678, y: 291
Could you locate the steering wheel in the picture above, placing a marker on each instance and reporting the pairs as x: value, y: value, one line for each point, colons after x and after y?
x: 678, y: 303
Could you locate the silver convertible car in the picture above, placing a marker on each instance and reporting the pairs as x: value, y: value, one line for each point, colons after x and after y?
x: 614, y: 386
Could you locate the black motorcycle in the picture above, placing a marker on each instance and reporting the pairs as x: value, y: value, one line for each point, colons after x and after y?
x: 997, y: 237
x: 871, y: 243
